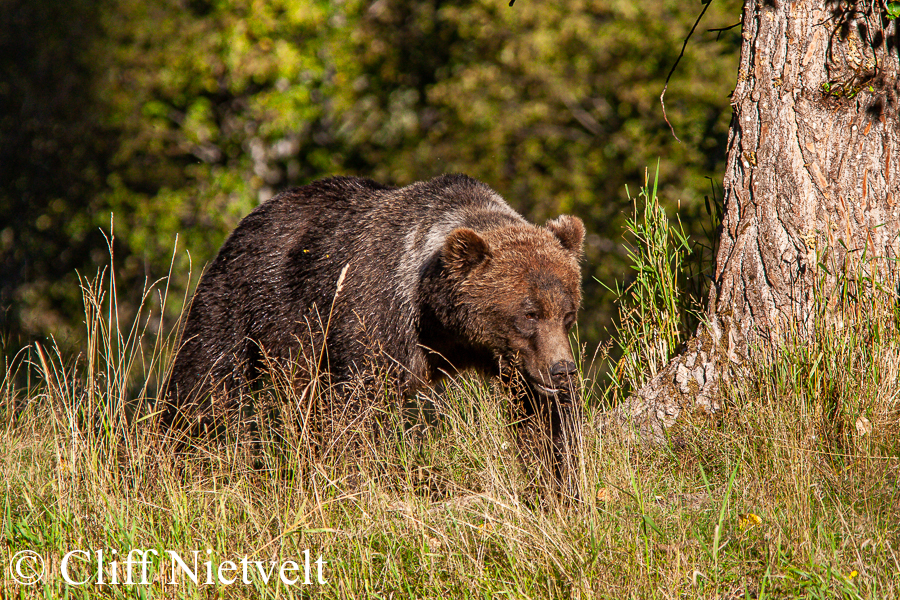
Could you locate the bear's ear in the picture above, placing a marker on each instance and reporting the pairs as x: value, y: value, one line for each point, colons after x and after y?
x: 570, y: 232
x: 464, y: 250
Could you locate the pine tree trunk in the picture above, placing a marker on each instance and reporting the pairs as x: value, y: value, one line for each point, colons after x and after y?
x: 812, y: 179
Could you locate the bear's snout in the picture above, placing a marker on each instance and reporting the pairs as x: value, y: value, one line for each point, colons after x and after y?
x: 564, y: 375
x: 560, y: 377
x: 561, y: 372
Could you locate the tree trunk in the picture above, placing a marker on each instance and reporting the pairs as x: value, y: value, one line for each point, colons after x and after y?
x: 812, y: 179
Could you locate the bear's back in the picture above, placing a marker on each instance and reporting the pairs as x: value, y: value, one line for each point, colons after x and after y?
x: 350, y: 203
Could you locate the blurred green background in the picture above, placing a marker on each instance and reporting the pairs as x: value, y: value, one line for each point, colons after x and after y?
x: 180, y: 116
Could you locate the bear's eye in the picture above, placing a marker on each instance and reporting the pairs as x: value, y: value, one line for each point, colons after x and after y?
x: 531, y: 316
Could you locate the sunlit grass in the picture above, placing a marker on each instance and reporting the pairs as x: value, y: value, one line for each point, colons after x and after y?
x: 792, y: 491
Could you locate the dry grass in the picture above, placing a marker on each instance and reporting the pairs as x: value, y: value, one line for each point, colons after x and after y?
x: 792, y: 492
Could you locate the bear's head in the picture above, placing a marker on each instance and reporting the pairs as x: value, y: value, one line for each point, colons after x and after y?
x: 520, y: 290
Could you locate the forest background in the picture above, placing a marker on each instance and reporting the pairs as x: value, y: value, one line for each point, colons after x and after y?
x: 179, y: 116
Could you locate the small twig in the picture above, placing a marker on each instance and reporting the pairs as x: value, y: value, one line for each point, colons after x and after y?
x: 719, y: 30
x: 665, y: 87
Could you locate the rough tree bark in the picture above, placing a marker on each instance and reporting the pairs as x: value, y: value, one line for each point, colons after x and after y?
x: 812, y: 178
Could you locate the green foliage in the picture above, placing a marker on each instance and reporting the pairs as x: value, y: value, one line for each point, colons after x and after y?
x: 842, y: 89
x: 893, y: 10
x: 179, y: 116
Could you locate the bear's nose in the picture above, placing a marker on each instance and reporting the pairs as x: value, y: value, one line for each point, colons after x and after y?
x: 562, y: 371
x: 563, y: 367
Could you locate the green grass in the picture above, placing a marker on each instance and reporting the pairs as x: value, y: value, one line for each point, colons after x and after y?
x: 792, y: 491
x: 656, y: 316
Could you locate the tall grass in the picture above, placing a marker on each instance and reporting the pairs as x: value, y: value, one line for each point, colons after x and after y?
x: 793, y: 491
x: 655, y: 315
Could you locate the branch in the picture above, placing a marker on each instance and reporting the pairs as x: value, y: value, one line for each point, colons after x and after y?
x: 662, y: 96
x: 719, y: 30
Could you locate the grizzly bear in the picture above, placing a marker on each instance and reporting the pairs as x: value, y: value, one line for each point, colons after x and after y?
x: 442, y: 274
